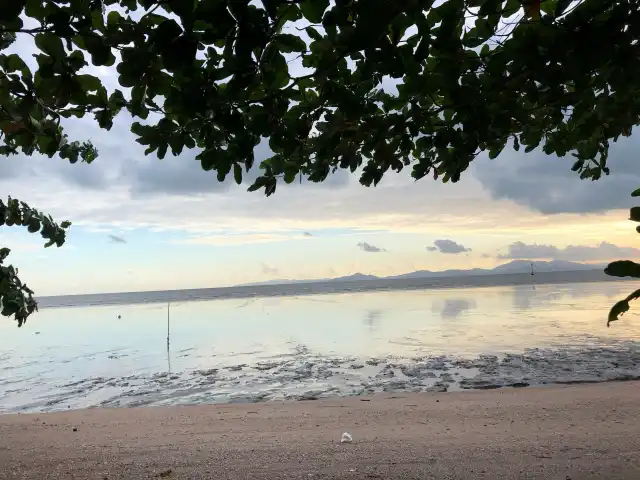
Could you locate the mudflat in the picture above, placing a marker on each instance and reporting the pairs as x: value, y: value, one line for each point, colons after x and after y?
x: 559, y: 432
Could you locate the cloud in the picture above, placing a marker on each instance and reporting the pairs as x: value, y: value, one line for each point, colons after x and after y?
x: 307, y: 234
x: 448, y: 246
x: 269, y: 270
x: 116, y: 239
x: 584, y: 253
x: 367, y: 247
x: 547, y: 184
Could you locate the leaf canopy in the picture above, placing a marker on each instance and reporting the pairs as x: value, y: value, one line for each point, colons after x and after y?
x: 359, y: 84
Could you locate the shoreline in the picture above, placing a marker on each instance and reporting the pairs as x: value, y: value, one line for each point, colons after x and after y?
x: 578, y: 431
x: 309, y: 377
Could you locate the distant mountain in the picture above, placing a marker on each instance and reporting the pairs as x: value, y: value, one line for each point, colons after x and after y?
x: 518, y: 266
x: 515, y: 266
x: 443, y: 273
x: 356, y: 277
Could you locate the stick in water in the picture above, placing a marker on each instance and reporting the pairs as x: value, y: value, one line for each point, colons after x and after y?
x: 168, y: 337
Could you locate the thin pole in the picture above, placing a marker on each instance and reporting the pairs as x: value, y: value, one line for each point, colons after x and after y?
x: 168, y: 336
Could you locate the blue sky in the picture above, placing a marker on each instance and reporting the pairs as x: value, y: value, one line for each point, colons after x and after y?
x: 180, y: 228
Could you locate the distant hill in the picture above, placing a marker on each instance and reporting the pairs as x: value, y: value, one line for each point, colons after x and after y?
x: 515, y: 266
x: 356, y: 277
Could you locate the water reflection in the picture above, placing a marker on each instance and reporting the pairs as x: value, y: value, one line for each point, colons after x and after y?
x: 526, y: 297
x: 80, y: 343
x: 454, y: 307
x: 371, y: 318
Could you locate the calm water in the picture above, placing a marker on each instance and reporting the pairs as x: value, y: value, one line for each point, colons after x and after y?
x: 296, y: 346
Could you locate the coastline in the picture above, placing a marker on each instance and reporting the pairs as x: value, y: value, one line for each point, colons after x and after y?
x: 325, y: 288
x: 579, y: 431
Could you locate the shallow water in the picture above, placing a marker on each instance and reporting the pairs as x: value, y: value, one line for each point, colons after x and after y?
x: 244, y: 350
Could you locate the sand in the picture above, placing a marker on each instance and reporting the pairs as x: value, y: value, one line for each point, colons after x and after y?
x: 585, y: 431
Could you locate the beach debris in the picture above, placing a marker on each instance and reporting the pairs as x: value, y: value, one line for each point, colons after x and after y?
x: 165, y: 473
x: 205, y: 373
x: 346, y: 438
x: 75, y: 429
x: 263, y: 366
x: 235, y: 368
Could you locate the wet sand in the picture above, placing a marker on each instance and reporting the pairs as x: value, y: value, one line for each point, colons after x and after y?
x: 560, y: 432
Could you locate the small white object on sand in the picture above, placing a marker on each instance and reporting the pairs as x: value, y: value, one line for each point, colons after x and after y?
x: 346, y: 438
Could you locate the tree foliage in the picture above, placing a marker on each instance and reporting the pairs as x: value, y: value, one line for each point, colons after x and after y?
x: 17, y: 298
x: 625, y: 268
x: 367, y: 85
x: 218, y: 75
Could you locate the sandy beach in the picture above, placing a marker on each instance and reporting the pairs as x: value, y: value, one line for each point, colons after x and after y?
x: 584, y: 431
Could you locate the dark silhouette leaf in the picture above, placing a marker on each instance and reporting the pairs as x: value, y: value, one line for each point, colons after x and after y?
x: 623, y: 268
x: 313, y: 10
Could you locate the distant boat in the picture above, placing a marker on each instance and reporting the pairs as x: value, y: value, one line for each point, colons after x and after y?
x: 532, y: 271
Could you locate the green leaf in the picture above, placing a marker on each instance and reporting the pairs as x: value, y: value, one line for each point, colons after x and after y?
x: 313, y: 10
x: 180, y: 54
x: 621, y: 307
x: 635, y: 214
x: 288, y: 43
x: 13, y: 63
x: 237, y: 173
x: 89, y: 82
x: 548, y: 7
x: 10, y: 12
x: 577, y: 165
x: 183, y: 8
x: 51, y: 45
x: 623, y: 268
x: 162, y: 150
x: 511, y: 7
x: 100, y: 52
x: 561, y: 7
x: 636, y: 193
x: 259, y: 183
x: 313, y: 33
x: 113, y: 18
x: 494, y: 153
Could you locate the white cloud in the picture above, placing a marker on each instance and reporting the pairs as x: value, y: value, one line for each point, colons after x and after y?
x: 367, y: 247
x: 116, y: 239
x: 448, y: 246
x: 269, y: 270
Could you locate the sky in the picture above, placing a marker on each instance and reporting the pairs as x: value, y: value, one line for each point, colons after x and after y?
x: 140, y: 223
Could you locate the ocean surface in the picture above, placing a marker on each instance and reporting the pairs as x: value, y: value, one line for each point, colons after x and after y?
x: 307, y: 341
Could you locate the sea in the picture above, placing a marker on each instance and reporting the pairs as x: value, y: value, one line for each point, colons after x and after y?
x: 315, y: 340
